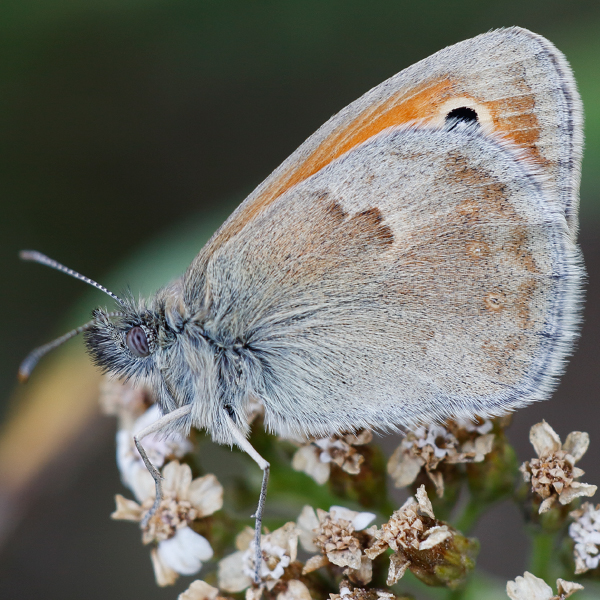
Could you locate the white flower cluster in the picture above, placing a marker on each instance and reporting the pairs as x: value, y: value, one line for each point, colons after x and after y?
x: 178, y: 549
x: 585, y: 532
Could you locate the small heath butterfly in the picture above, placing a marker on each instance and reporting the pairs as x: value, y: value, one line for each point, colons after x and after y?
x: 414, y: 260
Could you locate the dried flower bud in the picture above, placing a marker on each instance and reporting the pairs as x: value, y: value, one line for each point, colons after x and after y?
x: 339, y: 535
x: 434, y: 552
x: 553, y: 474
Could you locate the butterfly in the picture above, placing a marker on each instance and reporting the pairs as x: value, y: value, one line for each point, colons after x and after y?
x: 414, y: 260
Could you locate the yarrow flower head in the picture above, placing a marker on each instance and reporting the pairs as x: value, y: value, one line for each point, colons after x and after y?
x: 553, y: 474
x: 279, y: 551
x: 530, y: 587
x: 585, y: 532
x: 178, y: 549
x: 316, y: 457
x: 430, y: 447
x: 341, y: 536
x: 435, y: 552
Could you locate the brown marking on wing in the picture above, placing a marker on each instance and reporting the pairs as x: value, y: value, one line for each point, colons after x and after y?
x: 370, y: 224
x: 478, y: 249
x: 494, y: 301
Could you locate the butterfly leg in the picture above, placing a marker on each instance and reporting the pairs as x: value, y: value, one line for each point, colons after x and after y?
x: 245, y: 445
x: 153, y: 428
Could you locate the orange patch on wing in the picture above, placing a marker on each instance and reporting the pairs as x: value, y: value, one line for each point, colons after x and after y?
x: 512, y: 117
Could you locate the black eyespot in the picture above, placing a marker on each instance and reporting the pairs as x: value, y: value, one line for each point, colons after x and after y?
x: 463, y: 114
x: 137, y: 342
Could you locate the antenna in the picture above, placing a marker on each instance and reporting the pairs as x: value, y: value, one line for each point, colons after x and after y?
x: 33, y: 357
x: 42, y: 259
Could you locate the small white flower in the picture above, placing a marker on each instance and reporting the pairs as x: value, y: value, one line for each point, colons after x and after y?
x: 435, y: 446
x: 439, y: 438
x: 134, y: 474
x: 480, y: 425
x: 585, y: 532
x: 180, y: 550
x: 316, y: 457
x: 530, y: 587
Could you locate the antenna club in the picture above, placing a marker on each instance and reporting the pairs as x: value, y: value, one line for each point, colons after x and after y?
x: 31, y: 255
x: 23, y: 376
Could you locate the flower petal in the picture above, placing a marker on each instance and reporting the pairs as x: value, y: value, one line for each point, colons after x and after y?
x: 231, y: 575
x: 544, y: 439
x: 127, y: 510
x: 345, y: 558
x: 199, y: 590
x: 295, y: 590
x: 177, y: 478
x: 576, y: 444
x: 359, y: 520
x: 528, y: 587
x: 206, y: 494
x: 398, y: 565
x: 575, y: 490
x: 285, y: 537
x: 567, y: 588
x: 244, y: 538
x: 436, y: 535
x: 403, y: 467
x: 163, y: 574
x: 306, y: 460
x: 314, y: 563
x: 424, y: 502
x: 307, y: 523
x: 185, y: 551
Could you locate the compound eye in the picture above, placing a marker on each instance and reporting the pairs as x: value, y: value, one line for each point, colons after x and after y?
x: 137, y: 342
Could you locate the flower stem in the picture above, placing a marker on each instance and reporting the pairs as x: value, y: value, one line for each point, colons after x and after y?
x: 542, y: 552
x: 470, y: 515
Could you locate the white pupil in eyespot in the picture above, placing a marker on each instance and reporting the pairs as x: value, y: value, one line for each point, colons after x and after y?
x: 137, y: 342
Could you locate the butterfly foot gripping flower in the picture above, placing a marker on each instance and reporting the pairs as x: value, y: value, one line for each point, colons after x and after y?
x: 553, y: 473
x: 178, y: 549
x: 278, y: 570
x: 433, y: 551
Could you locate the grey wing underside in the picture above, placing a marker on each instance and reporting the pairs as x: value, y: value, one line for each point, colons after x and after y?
x: 425, y: 274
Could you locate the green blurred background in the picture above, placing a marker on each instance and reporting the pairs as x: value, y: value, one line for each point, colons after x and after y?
x: 122, y: 119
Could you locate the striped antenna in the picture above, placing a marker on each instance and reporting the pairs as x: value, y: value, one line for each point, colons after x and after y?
x: 34, y: 356
x: 38, y: 257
